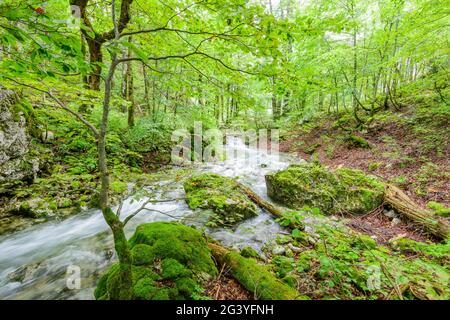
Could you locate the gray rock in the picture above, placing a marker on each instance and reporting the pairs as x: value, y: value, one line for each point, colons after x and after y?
x: 395, y: 221
x: 390, y: 214
x: 16, y: 162
x: 294, y: 248
x: 278, y: 250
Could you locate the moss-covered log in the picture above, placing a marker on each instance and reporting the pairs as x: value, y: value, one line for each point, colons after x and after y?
x: 274, y: 210
x: 398, y: 200
x: 255, y: 277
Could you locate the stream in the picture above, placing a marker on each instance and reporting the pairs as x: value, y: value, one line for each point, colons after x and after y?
x: 34, y: 262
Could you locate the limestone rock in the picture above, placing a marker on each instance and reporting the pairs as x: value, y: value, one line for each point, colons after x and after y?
x: 18, y: 158
x: 312, y: 185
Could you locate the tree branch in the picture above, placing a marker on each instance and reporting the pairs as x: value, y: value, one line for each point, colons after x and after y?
x: 60, y: 104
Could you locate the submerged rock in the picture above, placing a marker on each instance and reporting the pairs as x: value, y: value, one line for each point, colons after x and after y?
x: 170, y: 261
x: 343, y: 190
x: 221, y: 195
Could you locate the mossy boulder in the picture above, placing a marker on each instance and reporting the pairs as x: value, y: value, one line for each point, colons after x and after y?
x: 170, y: 262
x: 313, y: 185
x: 222, y: 196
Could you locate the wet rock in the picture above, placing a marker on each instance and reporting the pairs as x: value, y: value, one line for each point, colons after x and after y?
x: 294, y: 248
x: 314, y: 186
x: 14, y: 141
x: 249, y: 252
x: 278, y: 250
x: 221, y: 195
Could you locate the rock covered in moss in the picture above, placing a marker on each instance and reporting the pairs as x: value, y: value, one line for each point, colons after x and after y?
x: 170, y: 262
x: 20, y: 160
x: 220, y: 194
x: 344, y: 190
x: 249, y: 252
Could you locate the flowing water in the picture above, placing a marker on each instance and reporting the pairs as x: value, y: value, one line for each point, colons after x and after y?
x: 35, y: 263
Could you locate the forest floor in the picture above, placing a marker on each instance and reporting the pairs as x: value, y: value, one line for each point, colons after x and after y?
x: 409, y: 148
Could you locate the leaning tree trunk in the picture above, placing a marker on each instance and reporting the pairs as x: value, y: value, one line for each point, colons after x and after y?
x: 124, y: 290
x: 398, y: 200
x: 277, y: 212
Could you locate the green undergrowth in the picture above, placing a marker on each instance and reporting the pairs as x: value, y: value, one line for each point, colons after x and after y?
x: 439, y: 208
x: 343, y: 264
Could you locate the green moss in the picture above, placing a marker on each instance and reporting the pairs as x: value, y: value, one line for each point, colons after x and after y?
x: 142, y: 254
x: 312, y: 148
x: 356, y: 141
x: 118, y: 187
x: 249, y: 252
x: 304, y: 260
x: 312, y: 185
x: 283, y: 265
x: 52, y: 205
x: 439, y: 208
x: 343, y: 264
x: 372, y: 166
x: 172, y: 240
x: 172, y: 269
x: 222, y: 196
x: 439, y: 252
x: 291, y: 280
x: 357, y: 192
x: 170, y: 261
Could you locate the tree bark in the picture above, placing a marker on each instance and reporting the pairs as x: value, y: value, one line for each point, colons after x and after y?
x: 398, y: 200
x: 124, y: 291
x: 95, y: 40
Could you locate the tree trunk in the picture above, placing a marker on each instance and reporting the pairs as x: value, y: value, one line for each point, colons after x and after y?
x: 398, y: 200
x: 146, y: 85
x: 124, y: 291
x: 95, y: 59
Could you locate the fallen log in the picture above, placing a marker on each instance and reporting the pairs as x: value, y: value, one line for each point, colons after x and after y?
x: 399, y: 201
x: 255, y: 277
x: 259, y: 201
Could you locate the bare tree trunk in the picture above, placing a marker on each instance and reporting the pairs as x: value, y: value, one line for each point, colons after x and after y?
x: 123, y: 291
x: 146, y: 85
